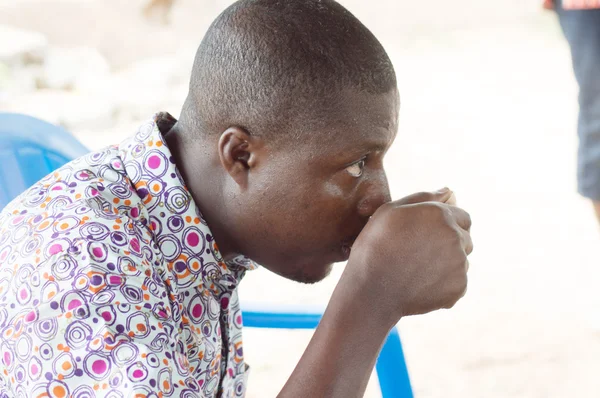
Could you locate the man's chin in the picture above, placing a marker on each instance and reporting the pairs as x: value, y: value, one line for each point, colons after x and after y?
x: 308, y: 274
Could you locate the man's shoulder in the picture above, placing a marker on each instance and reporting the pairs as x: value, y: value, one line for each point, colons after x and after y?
x: 95, y: 176
x: 88, y: 198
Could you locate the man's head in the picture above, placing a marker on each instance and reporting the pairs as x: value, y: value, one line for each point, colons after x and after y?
x: 292, y: 105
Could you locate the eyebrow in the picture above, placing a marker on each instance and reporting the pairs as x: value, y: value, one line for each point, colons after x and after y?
x: 356, y: 151
x: 378, y: 146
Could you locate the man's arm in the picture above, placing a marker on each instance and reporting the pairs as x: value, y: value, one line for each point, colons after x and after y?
x: 342, y: 352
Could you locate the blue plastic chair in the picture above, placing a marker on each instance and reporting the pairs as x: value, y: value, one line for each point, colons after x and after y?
x: 392, y: 373
x: 31, y: 148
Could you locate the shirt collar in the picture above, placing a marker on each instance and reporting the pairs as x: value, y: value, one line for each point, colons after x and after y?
x: 178, y: 227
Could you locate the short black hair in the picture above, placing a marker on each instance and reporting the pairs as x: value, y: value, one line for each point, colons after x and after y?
x: 274, y: 65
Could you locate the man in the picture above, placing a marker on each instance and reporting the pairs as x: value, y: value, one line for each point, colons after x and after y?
x: 111, y: 280
x: 580, y: 22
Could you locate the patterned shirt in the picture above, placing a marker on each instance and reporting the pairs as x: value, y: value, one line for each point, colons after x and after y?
x: 111, y: 284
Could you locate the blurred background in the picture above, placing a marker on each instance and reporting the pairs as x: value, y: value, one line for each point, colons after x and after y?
x: 488, y: 109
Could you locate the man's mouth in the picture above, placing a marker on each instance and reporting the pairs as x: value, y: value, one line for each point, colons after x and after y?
x: 347, y: 246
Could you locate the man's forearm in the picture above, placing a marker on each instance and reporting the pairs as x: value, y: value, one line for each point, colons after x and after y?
x: 342, y: 353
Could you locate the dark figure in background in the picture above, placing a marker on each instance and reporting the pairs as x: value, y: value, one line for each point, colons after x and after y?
x: 580, y: 22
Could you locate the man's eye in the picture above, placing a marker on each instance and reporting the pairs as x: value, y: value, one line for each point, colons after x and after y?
x: 356, y: 169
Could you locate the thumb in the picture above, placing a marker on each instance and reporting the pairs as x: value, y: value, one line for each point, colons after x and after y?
x: 444, y: 195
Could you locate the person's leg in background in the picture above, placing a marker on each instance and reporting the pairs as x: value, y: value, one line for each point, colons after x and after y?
x: 582, y: 30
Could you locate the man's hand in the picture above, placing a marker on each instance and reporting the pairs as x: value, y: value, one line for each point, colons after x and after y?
x: 411, y: 258
x: 444, y: 195
x: 413, y: 255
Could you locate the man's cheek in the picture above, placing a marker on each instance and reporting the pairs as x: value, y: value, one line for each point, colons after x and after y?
x: 333, y: 190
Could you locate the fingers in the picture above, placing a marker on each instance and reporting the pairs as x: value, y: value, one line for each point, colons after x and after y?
x: 462, y: 218
x: 467, y: 242
x: 444, y: 195
x: 451, y: 200
x: 457, y: 290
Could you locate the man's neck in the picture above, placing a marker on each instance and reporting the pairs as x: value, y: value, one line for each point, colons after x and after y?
x: 199, y: 171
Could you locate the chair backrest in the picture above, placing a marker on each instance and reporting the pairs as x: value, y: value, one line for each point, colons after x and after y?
x: 29, y: 150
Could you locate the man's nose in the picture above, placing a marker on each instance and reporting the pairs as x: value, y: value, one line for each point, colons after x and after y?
x: 377, y: 194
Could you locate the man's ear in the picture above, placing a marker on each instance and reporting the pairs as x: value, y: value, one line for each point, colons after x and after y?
x: 238, y: 152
